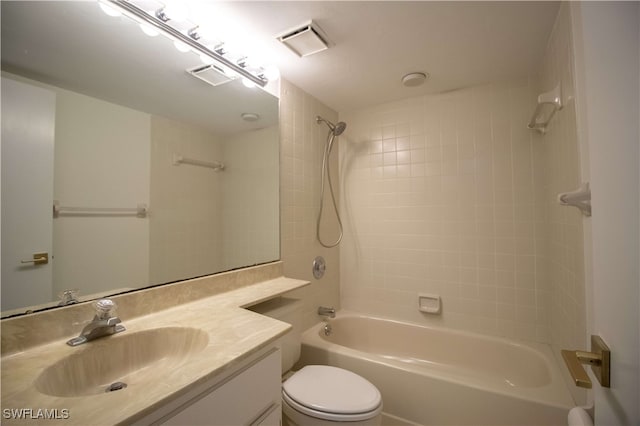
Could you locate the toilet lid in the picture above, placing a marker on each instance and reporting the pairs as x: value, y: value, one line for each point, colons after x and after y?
x: 332, y: 390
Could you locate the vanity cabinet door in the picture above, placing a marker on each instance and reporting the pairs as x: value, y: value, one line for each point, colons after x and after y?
x: 251, y: 396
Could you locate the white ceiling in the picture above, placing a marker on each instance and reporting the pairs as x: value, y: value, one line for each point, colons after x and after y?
x: 75, y: 46
x: 377, y: 42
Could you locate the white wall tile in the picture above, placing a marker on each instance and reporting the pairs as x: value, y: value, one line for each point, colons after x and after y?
x: 477, y: 221
x: 556, y: 169
x: 452, y: 227
x: 301, y: 147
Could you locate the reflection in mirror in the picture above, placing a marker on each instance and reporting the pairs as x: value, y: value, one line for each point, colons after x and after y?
x: 154, y: 174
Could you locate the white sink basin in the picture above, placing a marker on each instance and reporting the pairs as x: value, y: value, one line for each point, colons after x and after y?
x: 129, y: 358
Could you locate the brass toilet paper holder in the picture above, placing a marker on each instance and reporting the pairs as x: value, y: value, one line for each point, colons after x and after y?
x: 599, y: 358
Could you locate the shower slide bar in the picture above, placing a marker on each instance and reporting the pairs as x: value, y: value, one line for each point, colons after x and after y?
x: 215, y: 165
x: 553, y: 98
x: 140, y: 211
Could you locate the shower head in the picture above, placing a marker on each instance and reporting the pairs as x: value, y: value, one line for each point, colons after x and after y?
x: 339, y: 128
x: 336, y: 129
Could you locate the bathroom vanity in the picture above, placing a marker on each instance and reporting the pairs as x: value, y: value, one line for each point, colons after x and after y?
x: 248, y: 395
x: 206, y: 361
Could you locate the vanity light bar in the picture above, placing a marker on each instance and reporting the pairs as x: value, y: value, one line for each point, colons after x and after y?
x: 190, y: 40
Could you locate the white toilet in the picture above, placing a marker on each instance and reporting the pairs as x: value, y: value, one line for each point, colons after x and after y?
x: 322, y: 395
x: 319, y: 394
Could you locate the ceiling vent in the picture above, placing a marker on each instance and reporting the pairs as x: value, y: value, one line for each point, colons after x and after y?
x: 305, y: 40
x: 211, y: 74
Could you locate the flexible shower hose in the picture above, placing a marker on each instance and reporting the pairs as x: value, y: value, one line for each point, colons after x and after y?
x: 326, y: 171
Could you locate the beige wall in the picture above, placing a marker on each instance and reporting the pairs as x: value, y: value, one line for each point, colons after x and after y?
x: 606, y: 40
x: 301, y: 146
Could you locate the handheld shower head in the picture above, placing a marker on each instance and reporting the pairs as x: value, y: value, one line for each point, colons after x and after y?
x: 339, y: 128
x: 336, y: 129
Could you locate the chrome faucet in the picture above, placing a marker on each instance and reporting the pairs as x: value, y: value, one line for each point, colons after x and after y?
x: 68, y: 297
x: 104, y: 323
x: 326, y: 312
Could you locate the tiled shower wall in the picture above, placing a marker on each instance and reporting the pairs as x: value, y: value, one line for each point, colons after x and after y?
x: 448, y: 194
x: 562, y: 254
x: 439, y: 198
x: 560, y: 172
x: 452, y: 195
x: 301, y: 147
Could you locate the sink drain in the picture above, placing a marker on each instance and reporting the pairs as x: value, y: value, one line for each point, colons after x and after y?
x: 116, y: 386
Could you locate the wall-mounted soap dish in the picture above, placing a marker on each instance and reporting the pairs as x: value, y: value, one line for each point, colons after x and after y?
x: 429, y: 303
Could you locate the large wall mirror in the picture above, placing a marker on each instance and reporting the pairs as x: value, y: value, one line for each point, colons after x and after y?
x: 121, y: 166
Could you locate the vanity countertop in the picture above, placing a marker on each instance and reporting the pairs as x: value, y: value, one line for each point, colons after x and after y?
x: 234, y: 334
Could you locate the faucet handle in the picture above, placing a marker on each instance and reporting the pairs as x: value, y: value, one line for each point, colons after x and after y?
x: 68, y: 297
x: 105, y: 308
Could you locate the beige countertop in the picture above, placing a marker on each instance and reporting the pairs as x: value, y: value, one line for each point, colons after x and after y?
x: 234, y: 334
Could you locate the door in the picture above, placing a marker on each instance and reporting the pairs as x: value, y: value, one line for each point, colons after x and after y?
x: 607, y: 49
x: 28, y: 126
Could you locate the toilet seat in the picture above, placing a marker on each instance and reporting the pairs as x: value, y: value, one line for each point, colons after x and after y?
x: 332, y: 393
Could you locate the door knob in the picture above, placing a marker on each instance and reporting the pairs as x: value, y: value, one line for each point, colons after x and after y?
x: 38, y: 259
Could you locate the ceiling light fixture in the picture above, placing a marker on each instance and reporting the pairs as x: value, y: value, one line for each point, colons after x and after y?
x: 250, y: 116
x: 414, y: 79
x: 162, y: 21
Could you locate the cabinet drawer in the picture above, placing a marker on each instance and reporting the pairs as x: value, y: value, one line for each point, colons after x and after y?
x: 272, y: 417
x: 242, y: 399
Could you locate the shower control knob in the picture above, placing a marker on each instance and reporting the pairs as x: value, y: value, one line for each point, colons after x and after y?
x: 319, y: 266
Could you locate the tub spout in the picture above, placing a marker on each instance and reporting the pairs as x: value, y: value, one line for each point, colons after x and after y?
x: 326, y: 312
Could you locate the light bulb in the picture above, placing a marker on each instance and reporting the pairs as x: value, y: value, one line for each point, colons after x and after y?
x: 207, y: 35
x: 248, y: 83
x: 272, y: 72
x: 231, y: 54
x: 252, y: 61
x: 109, y: 10
x: 176, y: 11
x: 149, y: 30
x: 237, y: 47
x: 181, y: 46
x: 232, y: 74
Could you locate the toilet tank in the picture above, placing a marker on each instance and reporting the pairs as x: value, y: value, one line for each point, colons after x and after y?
x: 287, y: 310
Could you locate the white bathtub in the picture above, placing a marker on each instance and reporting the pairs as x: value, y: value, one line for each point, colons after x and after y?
x: 431, y: 376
